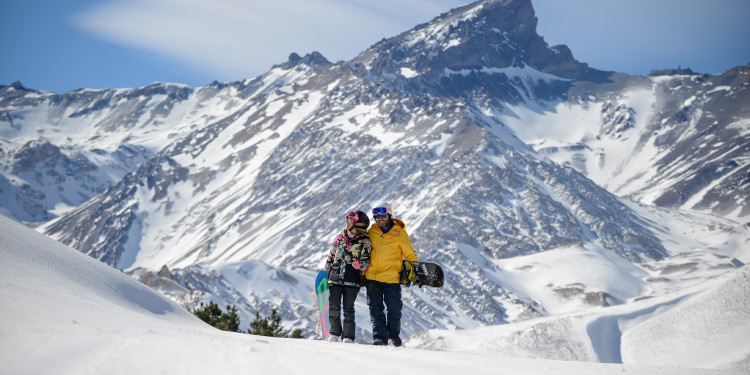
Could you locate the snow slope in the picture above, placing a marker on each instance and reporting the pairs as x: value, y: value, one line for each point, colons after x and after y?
x: 704, y: 326
x: 65, y: 313
x: 699, y: 339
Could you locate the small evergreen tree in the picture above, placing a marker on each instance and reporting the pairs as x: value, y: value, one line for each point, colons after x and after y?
x: 208, y: 313
x: 270, y: 326
x: 213, y: 315
x: 230, y: 321
x: 296, y: 334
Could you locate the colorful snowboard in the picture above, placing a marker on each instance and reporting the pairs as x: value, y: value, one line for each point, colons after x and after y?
x: 321, y: 290
x: 421, y: 273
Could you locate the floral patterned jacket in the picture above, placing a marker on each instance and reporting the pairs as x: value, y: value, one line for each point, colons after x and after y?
x: 348, y: 258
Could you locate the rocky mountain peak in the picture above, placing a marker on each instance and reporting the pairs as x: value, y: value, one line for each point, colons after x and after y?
x: 12, y: 92
x: 459, y: 40
x: 312, y: 59
x: 671, y: 72
x: 489, y: 45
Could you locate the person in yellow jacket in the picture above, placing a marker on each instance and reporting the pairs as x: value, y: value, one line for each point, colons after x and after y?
x: 390, y: 246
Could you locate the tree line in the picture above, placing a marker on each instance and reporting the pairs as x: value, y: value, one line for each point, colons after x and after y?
x: 230, y: 321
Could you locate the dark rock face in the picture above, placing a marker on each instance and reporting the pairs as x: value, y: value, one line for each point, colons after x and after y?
x: 476, y: 51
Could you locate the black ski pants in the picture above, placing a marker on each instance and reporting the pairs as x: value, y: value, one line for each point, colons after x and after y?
x: 382, y: 296
x: 348, y: 294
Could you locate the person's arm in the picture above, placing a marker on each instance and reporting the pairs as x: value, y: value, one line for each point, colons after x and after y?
x: 407, y: 250
x: 331, y: 257
x: 364, y: 256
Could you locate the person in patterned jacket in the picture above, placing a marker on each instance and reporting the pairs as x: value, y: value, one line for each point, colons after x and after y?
x: 349, y: 257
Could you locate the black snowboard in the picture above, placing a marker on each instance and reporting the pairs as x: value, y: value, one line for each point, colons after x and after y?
x: 421, y: 273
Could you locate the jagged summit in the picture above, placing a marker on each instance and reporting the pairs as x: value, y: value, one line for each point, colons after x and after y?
x: 13, y: 91
x: 487, y: 45
x: 671, y: 72
x: 460, y: 39
x: 312, y: 59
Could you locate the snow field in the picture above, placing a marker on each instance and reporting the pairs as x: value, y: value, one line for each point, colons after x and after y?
x: 67, y: 313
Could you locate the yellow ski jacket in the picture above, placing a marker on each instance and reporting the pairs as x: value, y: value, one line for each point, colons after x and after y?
x: 388, y: 252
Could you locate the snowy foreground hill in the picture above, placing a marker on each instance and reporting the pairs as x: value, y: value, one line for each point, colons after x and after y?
x: 63, y: 312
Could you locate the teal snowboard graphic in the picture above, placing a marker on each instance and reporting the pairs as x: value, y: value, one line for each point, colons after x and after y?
x: 321, y: 291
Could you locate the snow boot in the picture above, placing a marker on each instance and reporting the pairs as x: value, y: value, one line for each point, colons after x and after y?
x: 396, y: 341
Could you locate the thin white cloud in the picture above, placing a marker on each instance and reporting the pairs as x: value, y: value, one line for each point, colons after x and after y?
x: 241, y: 38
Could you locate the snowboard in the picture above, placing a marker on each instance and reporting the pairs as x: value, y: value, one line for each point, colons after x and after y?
x: 421, y: 273
x: 321, y: 291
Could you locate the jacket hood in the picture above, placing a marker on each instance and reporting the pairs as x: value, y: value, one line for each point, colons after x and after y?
x: 399, y: 223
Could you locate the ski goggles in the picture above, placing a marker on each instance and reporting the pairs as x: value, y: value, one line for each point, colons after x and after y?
x: 352, y: 215
x: 380, y: 211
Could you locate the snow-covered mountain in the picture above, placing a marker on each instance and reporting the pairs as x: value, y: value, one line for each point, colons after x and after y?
x: 58, y: 151
x: 496, y: 149
x: 671, y: 139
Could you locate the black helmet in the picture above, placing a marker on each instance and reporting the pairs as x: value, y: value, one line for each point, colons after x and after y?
x: 363, y: 221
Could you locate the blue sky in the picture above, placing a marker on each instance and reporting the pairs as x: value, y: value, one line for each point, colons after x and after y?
x: 59, y: 46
